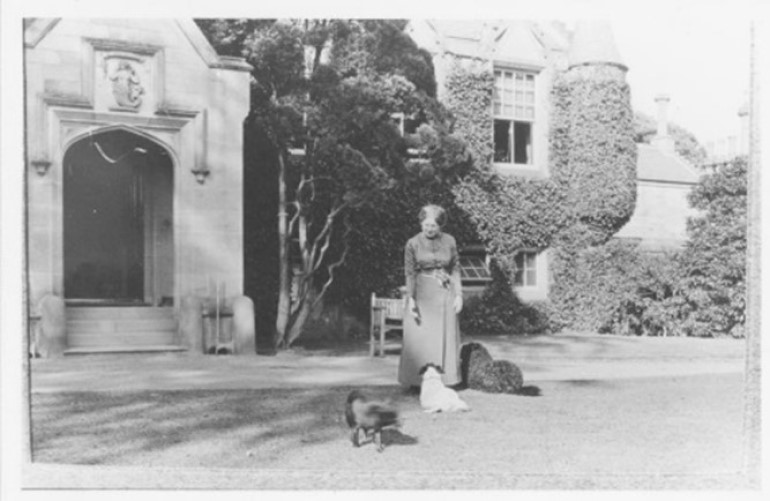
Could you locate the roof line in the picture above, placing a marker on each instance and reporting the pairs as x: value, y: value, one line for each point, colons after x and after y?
x: 38, y: 28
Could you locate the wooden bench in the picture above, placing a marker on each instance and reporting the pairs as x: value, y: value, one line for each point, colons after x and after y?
x: 387, y: 315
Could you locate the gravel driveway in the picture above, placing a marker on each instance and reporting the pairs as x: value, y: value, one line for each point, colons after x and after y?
x: 609, y: 413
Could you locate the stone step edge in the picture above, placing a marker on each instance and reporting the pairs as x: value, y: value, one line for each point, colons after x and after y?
x: 123, y: 349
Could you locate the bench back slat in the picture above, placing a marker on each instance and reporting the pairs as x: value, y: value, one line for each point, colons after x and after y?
x: 392, y: 308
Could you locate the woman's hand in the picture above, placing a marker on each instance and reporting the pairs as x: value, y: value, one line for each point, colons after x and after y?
x: 414, y: 310
x: 458, y: 304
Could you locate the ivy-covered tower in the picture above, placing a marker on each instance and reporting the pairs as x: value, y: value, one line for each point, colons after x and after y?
x: 593, y: 163
x: 594, y: 154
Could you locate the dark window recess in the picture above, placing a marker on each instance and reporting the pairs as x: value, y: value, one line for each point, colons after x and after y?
x: 513, y: 148
x: 503, y: 141
x: 522, y: 140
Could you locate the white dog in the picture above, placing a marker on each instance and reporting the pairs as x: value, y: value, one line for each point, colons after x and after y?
x: 434, y: 396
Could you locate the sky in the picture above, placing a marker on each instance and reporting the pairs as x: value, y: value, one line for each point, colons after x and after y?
x: 701, y: 64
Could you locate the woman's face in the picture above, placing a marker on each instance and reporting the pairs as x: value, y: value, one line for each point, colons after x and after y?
x: 430, y: 227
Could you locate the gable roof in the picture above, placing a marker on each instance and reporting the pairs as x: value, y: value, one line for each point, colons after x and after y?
x: 653, y: 164
x: 35, y: 30
x: 501, y: 39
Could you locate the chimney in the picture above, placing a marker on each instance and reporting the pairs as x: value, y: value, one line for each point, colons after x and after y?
x: 662, y: 140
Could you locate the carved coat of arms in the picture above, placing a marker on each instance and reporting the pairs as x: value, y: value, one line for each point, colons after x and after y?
x: 126, y: 85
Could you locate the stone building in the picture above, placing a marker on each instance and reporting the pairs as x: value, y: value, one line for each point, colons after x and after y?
x: 664, y: 179
x: 525, y: 58
x: 134, y: 183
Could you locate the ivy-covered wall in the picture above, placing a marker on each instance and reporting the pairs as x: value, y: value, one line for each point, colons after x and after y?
x: 468, y: 95
x: 590, y: 193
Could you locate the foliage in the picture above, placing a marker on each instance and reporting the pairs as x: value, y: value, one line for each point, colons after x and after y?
x: 699, y: 291
x: 509, y: 213
x: 685, y: 142
x: 229, y: 35
x: 358, y: 191
x: 513, y: 213
x: 592, y: 189
x: 469, y: 97
x: 597, y: 171
x: 381, y: 229
x: 499, y: 311
x: 340, y: 110
x: 714, y: 261
x: 369, y: 45
x: 617, y: 288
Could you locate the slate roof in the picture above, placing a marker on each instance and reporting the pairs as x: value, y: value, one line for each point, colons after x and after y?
x: 653, y: 164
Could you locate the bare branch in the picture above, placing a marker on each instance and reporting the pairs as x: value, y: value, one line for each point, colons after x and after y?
x: 294, y: 218
x: 325, y: 237
x: 335, y: 265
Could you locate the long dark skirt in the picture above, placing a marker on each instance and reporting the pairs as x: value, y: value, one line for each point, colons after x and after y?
x: 436, y: 339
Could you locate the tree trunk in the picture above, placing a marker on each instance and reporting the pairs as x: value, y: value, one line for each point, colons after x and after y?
x: 299, y: 322
x: 284, y: 266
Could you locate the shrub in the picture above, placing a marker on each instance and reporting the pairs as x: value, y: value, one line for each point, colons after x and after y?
x: 619, y: 289
x: 499, y: 311
x: 714, y: 261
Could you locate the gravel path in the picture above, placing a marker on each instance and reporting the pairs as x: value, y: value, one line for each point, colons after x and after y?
x: 541, y: 358
x: 609, y: 413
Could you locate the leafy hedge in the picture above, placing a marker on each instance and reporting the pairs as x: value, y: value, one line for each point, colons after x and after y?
x: 714, y: 260
x: 499, y: 311
x: 698, y: 291
x: 616, y: 288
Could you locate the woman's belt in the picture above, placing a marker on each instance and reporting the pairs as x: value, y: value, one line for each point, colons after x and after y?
x: 443, y: 278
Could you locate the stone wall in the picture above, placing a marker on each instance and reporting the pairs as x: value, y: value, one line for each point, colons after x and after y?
x: 185, y: 98
x: 660, y: 217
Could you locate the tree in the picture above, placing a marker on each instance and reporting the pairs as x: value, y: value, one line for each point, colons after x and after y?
x: 330, y: 88
x: 714, y: 260
x: 685, y: 142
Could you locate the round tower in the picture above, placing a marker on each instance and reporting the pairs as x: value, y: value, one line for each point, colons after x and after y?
x: 593, y: 52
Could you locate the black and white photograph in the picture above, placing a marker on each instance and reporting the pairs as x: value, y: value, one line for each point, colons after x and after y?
x: 332, y: 248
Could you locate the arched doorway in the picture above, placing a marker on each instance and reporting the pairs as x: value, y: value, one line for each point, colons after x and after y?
x: 118, y: 221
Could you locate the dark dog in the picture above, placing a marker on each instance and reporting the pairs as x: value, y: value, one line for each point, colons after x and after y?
x: 481, y: 372
x: 369, y: 416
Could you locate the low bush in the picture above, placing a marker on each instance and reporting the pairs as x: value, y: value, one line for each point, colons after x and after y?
x: 498, y: 310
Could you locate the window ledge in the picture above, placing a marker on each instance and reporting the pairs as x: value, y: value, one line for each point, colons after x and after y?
x: 530, y: 170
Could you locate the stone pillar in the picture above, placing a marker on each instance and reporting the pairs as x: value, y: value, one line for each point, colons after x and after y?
x: 50, y: 334
x: 191, y: 324
x: 244, y: 331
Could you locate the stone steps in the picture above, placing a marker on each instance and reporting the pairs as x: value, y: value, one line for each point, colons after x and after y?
x: 120, y: 329
x: 118, y: 312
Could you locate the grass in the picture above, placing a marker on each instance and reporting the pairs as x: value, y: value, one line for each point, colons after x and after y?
x: 667, y: 425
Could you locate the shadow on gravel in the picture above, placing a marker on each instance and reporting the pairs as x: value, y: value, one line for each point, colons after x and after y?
x: 391, y: 437
x: 530, y: 391
x: 112, y: 427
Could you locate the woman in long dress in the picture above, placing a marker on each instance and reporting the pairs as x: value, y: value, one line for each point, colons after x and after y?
x: 434, y: 299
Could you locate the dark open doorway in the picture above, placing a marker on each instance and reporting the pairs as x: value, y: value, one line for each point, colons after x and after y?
x: 117, y: 220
